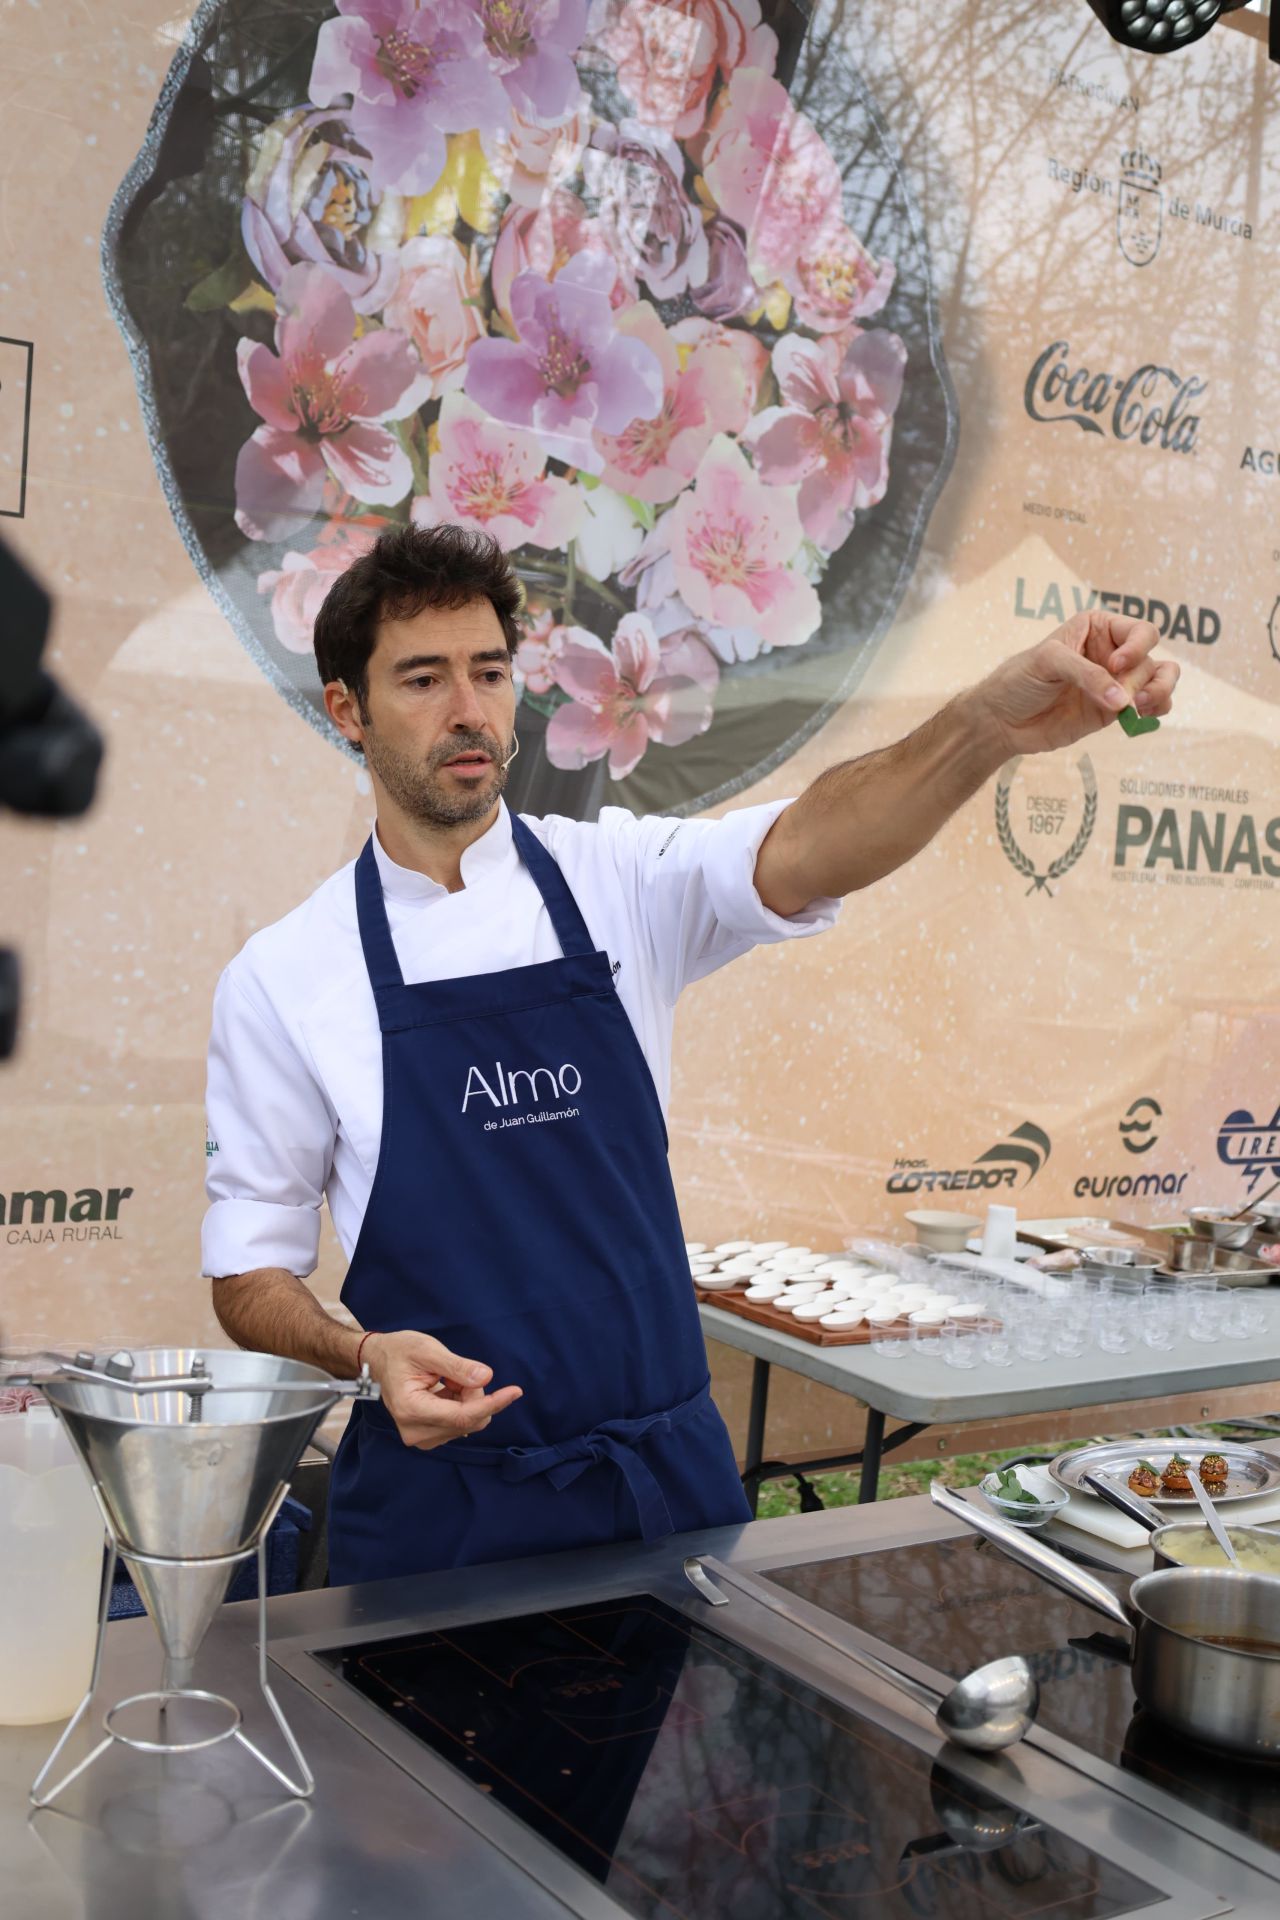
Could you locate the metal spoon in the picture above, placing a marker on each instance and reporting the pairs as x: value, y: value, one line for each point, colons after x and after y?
x: 1210, y: 1513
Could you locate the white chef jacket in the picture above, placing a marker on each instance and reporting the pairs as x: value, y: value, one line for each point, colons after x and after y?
x: 295, y: 1056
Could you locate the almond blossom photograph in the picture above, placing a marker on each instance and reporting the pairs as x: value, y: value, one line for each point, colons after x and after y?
x: 634, y: 286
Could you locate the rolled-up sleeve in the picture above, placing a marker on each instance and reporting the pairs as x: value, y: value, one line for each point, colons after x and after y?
x: 270, y: 1142
x: 696, y: 894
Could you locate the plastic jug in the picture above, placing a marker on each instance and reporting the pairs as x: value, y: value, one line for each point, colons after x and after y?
x: 51, y: 1543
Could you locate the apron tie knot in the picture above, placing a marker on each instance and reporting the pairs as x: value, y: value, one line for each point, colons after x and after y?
x: 613, y: 1441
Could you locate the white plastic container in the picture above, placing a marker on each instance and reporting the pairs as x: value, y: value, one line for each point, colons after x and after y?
x: 51, y: 1543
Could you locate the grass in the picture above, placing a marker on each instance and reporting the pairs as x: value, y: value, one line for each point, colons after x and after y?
x: 899, y: 1479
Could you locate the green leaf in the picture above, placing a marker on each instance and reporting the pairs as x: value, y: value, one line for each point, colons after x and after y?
x: 225, y: 284
x: 642, y: 511
x: 589, y: 482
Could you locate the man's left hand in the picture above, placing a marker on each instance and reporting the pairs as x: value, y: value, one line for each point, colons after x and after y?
x: 1076, y: 681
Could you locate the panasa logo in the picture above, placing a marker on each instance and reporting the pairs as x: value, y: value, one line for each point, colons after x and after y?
x: 1151, y: 405
x: 505, y: 1087
x: 1025, y: 1151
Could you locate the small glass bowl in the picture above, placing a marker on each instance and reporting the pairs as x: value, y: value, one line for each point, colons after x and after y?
x: 1020, y: 1513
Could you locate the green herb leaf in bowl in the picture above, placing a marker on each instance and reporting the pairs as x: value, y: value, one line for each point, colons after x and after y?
x: 1011, y: 1488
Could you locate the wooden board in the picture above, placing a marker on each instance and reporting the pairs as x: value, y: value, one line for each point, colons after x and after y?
x: 767, y: 1315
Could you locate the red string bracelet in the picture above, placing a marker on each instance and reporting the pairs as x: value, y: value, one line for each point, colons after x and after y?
x: 360, y: 1348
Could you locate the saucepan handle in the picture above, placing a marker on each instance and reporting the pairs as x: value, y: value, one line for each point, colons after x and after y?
x: 1132, y: 1505
x: 1033, y: 1554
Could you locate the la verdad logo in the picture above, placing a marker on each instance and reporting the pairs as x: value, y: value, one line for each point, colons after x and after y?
x: 1151, y: 405
x: 1023, y: 1153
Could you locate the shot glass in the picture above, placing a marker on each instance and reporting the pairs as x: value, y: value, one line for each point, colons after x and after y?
x: 960, y: 1344
x: 891, y: 1339
x: 1116, y: 1324
x: 1207, y: 1314
x: 1244, y: 1318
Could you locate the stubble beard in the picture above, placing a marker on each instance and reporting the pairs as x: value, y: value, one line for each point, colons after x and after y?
x: 419, y: 787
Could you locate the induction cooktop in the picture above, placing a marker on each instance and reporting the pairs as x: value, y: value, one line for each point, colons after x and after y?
x: 956, y: 1603
x: 693, y: 1778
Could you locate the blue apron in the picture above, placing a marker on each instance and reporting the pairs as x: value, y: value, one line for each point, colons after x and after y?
x: 523, y: 1213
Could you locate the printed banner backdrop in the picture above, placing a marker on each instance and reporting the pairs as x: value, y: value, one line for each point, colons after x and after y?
x: 990, y: 343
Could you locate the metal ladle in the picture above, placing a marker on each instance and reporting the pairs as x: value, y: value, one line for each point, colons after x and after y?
x: 992, y: 1707
x: 1210, y: 1513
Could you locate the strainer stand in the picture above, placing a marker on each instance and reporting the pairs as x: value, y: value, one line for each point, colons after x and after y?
x: 302, y: 1786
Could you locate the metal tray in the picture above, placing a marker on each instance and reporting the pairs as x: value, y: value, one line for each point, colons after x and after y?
x: 1250, y: 1474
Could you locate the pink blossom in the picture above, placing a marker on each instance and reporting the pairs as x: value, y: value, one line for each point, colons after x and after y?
x: 544, y: 240
x: 438, y: 304
x: 751, y: 354
x: 298, y: 587
x: 652, y: 577
x: 653, y: 459
x: 494, y: 478
x: 732, y: 543
x: 413, y: 75
x: 570, y: 372
x: 832, y: 434
x: 770, y: 171
x: 835, y: 281
x: 323, y: 396
x: 670, y: 55
x: 531, y: 158
x: 530, y: 45
x: 538, y: 648
x: 620, y: 700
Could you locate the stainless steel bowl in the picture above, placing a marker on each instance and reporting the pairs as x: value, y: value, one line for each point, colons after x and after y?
x: 1216, y: 1224
x: 1133, y: 1261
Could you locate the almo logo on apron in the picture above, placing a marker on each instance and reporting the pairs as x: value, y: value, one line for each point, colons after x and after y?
x: 527, y: 1085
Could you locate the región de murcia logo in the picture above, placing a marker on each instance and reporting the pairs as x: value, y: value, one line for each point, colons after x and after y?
x: 1138, y: 208
x: 1047, y: 819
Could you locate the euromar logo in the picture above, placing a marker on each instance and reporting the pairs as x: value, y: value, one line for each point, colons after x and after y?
x: 1023, y: 1153
x: 1138, y: 208
x: 1047, y: 822
x: 1253, y: 1148
x: 1137, y: 1129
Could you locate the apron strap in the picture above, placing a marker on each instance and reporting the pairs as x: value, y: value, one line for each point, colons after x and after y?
x: 375, y: 930
x: 566, y: 916
x: 612, y: 1440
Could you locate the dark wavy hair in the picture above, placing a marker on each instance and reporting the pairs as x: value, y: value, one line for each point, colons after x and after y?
x: 406, y: 570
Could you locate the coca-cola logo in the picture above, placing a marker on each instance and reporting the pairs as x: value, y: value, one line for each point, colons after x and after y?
x: 1151, y: 405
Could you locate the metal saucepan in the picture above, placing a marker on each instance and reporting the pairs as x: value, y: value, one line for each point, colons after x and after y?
x: 1206, y: 1640
x: 1166, y: 1533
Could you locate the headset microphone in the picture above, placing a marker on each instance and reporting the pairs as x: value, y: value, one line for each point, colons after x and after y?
x: 514, y: 751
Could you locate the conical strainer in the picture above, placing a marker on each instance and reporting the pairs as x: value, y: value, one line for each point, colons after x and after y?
x: 189, y: 1454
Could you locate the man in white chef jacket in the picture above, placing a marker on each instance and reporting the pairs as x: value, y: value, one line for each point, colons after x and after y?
x: 489, y: 1263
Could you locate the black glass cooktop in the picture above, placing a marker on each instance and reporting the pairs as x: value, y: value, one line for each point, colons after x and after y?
x: 695, y: 1779
x: 956, y: 1603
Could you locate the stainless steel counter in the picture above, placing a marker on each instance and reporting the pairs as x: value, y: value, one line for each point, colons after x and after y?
x: 393, y: 1831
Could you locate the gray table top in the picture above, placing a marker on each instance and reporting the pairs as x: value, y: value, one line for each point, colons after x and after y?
x: 913, y: 1388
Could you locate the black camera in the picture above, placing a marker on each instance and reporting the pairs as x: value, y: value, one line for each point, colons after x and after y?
x: 50, y: 751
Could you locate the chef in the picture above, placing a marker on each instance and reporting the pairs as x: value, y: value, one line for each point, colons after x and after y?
x: 462, y: 1042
